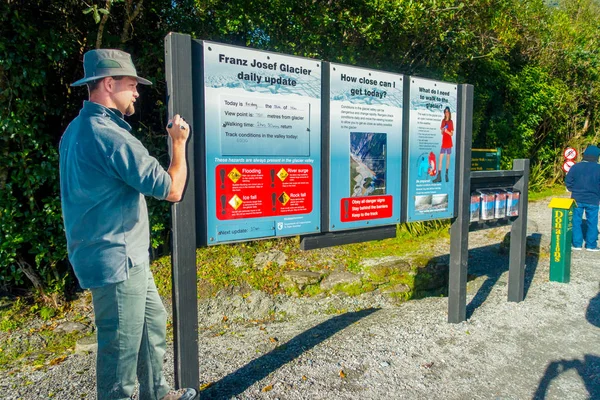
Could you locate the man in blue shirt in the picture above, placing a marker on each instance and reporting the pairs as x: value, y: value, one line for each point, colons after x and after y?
x: 105, y: 172
x: 583, y: 181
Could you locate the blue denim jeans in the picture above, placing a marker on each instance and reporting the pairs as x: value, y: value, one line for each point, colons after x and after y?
x: 591, y: 215
x: 132, y: 326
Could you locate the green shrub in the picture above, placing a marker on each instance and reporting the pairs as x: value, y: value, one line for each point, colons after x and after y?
x: 535, y: 70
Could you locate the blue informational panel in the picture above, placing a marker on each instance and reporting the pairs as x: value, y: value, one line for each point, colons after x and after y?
x: 262, y: 119
x: 431, y: 150
x: 365, y: 147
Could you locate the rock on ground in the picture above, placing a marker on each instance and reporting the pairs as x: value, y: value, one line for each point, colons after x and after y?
x: 339, y: 278
x: 271, y: 256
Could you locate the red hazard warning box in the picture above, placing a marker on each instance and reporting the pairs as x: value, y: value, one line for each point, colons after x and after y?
x: 365, y: 208
x: 259, y: 190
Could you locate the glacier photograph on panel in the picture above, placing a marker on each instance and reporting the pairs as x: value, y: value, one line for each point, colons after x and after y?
x: 367, y: 163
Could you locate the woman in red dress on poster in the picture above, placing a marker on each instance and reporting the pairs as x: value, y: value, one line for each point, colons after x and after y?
x: 447, y: 130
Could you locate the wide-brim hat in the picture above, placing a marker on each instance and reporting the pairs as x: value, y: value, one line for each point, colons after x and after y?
x: 101, y: 63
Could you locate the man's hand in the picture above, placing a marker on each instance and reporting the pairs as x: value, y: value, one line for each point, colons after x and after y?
x: 178, y: 129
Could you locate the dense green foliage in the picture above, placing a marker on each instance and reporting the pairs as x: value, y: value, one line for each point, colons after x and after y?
x: 535, y: 68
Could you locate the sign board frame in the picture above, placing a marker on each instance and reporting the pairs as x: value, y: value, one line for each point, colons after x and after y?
x: 189, y: 219
x: 187, y: 231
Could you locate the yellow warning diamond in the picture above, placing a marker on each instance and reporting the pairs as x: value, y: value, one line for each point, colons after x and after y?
x: 234, y: 175
x: 282, y: 174
x: 284, y: 198
x: 235, y: 202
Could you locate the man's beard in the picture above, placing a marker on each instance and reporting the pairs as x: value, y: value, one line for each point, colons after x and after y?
x: 130, y: 110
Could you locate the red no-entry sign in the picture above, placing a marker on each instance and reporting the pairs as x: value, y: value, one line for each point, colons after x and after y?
x: 567, y: 165
x: 570, y: 153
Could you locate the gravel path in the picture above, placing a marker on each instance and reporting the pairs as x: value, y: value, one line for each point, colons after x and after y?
x: 547, y: 346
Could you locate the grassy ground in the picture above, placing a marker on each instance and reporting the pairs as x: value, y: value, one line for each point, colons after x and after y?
x: 223, y: 266
x: 553, y: 191
x: 28, y: 334
x: 27, y: 328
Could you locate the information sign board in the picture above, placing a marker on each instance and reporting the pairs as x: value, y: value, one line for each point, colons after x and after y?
x: 432, y: 140
x: 485, y: 159
x: 365, y: 152
x: 262, y: 115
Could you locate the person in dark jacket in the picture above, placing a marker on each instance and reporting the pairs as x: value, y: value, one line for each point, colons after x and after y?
x: 583, y: 181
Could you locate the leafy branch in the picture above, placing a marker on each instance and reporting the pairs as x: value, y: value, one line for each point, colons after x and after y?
x: 101, y: 15
x: 131, y: 11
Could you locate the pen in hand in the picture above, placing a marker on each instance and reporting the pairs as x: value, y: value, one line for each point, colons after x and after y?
x: 171, y: 125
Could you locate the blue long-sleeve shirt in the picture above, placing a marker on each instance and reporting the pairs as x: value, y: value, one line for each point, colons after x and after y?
x: 104, y: 174
x: 583, y: 181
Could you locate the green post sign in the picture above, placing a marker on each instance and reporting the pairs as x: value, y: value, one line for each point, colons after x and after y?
x: 485, y: 159
x: 560, y: 244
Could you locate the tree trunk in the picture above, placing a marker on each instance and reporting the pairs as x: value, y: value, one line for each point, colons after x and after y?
x: 131, y: 14
x: 102, y: 23
x: 36, y: 280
